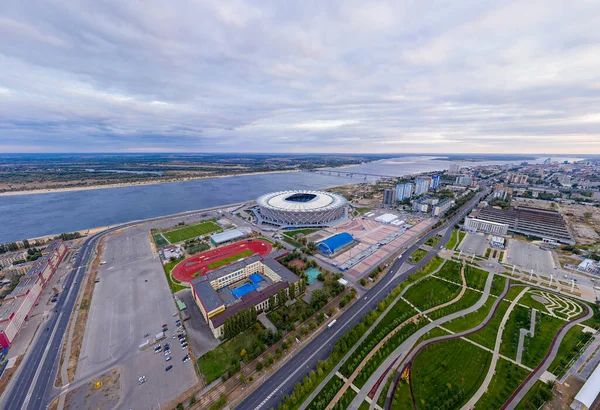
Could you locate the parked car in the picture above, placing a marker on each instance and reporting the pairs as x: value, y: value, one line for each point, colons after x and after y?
x: 168, y: 358
x: 142, y: 380
x: 168, y: 368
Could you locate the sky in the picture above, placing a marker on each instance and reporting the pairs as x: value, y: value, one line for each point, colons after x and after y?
x: 300, y: 76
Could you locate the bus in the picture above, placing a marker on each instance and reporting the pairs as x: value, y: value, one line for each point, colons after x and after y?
x: 330, y: 325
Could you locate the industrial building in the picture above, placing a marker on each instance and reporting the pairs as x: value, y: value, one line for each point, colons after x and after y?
x: 541, y: 223
x: 479, y: 225
x: 335, y: 243
x: 18, y: 304
x: 404, y: 191
x: 422, y: 185
x: 248, y: 283
x: 301, y: 209
x: 589, y: 393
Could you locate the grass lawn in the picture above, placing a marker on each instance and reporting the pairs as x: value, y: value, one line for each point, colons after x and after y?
x: 507, y: 378
x: 536, y: 347
x: 327, y: 394
x: 520, y: 318
x: 469, y: 299
x: 434, y: 240
x: 574, y: 340
x: 461, y: 236
x: 215, y: 362
x: 594, y: 321
x: 528, y: 301
x: 297, y: 232
x: 364, y: 406
x: 487, y: 253
x: 498, y: 284
x: 450, y: 271
x: 487, y: 335
x: 402, y: 399
x: 396, y: 315
x: 431, y: 292
x: 514, y: 292
x: 360, y: 211
x: 229, y: 259
x: 159, y: 240
x: 345, y: 400
x: 291, y: 241
x: 472, y: 319
x: 262, y: 238
x: 192, y: 231
x: 417, y: 256
x: 448, y: 372
x: 452, y: 241
x: 476, y: 278
x: 173, y: 284
x: 539, y: 393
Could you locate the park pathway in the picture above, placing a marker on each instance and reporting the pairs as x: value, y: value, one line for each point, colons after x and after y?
x: 338, y: 366
x: 496, y: 355
x: 525, y: 332
x: 400, y: 354
x: 529, y: 382
x: 379, y: 345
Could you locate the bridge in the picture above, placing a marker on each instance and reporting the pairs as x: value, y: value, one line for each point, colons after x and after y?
x: 347, y: 174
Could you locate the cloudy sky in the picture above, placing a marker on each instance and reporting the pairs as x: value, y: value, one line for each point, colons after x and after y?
x: 286, y: 76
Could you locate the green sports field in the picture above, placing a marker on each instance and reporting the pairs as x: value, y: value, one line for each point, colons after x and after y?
x: 159, y: 240
x: 193, y: 231
x: 229, y: 259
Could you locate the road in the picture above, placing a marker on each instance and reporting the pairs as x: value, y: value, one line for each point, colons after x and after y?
x: 33, y: 384
x: 283, y: 381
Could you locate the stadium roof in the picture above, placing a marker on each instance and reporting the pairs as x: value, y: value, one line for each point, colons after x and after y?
x: 333, y: 243
x: 301, y: 201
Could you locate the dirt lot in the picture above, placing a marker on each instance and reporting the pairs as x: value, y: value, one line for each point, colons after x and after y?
x: 297, y: 263
x: 101, y: 393
x: 564, y: 394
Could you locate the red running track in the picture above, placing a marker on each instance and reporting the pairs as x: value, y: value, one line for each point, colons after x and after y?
x: 197, y: 265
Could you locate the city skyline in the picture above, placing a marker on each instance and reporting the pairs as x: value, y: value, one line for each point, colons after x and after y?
x: 516, y: 78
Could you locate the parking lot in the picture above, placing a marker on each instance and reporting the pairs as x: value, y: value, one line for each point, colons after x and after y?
x: 528, y: 256
x: 474, y: 244
x: 131, y: 300
x: 200, y: 336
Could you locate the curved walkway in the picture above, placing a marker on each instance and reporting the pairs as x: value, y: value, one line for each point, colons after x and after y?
x: 404, y: 349
x: 379, y: 345
x: 524, y: 388
x: 410, y: 357
x: 492, y: 369
x: 336, y: 368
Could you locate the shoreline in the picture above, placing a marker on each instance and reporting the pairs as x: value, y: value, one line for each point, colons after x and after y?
x: 131, y: 184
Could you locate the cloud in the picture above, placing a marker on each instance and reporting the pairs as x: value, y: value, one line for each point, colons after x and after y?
x: 300, y: 76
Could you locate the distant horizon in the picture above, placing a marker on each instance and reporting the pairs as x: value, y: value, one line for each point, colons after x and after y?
x: 301, y: 153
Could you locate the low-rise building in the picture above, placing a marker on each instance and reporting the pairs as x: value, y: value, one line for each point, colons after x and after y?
x: 479, y: 225
x: 228, y: 236
x: 498, y: 242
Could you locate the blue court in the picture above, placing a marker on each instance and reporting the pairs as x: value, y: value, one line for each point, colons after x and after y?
x: 256, y: 278
x: 312, y: 274
x: 244, y: 289
x: 334, y: 243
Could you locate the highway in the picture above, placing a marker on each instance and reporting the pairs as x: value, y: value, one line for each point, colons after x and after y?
x: 272, y: 390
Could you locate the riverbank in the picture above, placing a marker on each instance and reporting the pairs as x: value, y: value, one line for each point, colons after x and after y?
x: 133, y: 184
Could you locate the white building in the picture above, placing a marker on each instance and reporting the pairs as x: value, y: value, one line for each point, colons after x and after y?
x: 474, y: 224
x: 441, y: 207
x: 497, y: 242
x: 588, y: 393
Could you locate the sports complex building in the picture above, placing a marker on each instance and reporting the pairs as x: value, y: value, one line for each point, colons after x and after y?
x: 296, y: 209
x: 335, y: 243
x: 247, y: 283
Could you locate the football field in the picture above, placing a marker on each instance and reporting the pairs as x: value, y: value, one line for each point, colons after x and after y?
x: 193, y: 231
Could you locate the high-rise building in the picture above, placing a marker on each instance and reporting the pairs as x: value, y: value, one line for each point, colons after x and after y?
x: 454, y: 168
x: 389, y: 196
x: 435, y: 181
x: 547, y: 161
x: 422, y: 185
x: 404, y: 191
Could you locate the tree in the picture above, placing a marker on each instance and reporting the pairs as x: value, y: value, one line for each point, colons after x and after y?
x: 292, y: 291
x: 319, y: 299
x: 25, y: 243
x: 192, y: 400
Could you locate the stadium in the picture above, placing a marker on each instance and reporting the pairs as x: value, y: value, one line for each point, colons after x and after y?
x: 296, y: 209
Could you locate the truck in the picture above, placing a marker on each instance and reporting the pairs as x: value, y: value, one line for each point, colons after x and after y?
x: 159, y: 336
x: 330, y: 325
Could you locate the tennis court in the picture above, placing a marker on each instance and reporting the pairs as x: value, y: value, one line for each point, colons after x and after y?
x: 312, y: 274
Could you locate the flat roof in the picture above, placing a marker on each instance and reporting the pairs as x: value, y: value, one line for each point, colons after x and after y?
x: 7, y: 308
x: 590, y: 390
x: 227, y: 235
x: 209, y: 297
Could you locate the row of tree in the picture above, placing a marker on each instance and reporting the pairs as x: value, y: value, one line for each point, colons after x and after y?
x: 239, y: 322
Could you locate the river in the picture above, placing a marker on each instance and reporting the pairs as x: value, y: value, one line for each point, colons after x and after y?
x: 30, y: 216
